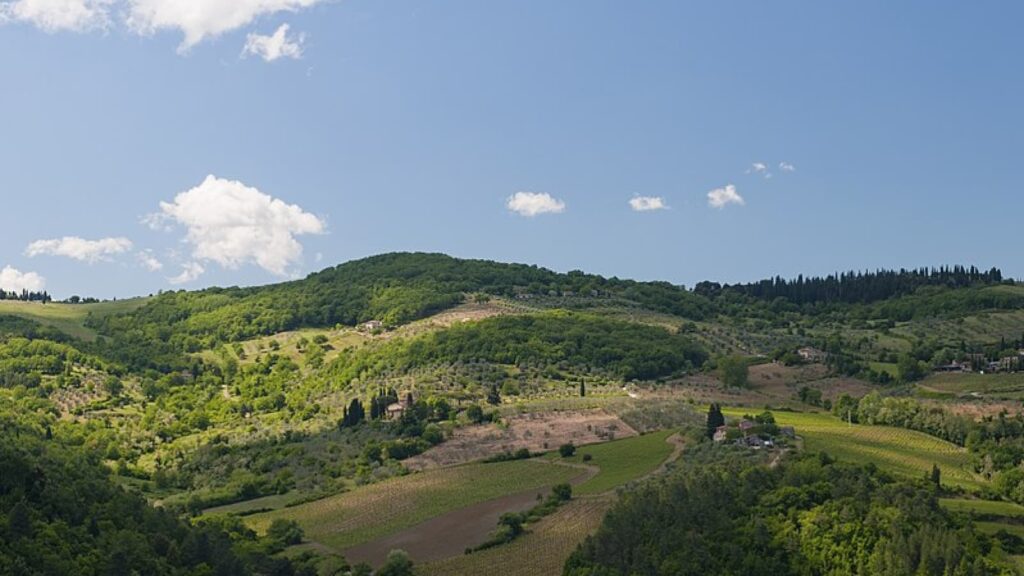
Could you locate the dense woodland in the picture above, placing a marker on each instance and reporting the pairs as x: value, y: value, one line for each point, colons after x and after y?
x: 857, y: 287
x: 628, y: 351
x: 724, y: 512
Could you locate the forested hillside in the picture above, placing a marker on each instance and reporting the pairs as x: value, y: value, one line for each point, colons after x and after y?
x: 61, y: 513
x: 725, y: 512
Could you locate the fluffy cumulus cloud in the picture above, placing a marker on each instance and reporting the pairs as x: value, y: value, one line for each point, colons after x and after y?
x: 530, y: 204
x: 76, y: 248
x: 647, y: 203
x: 15, y: 280
x: 722, y: 197
x: 202, y: 19
x: 232, y: 224
x: 58, y: 15
x: 277, y: 45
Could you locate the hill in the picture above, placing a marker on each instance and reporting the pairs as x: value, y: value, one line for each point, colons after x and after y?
x: 241, y: 399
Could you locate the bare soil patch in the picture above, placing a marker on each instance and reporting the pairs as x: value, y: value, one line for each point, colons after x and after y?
x: 536, y: 432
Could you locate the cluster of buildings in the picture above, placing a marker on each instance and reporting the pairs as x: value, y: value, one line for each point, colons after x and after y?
x: 979, y: 363
x: 751, y: 434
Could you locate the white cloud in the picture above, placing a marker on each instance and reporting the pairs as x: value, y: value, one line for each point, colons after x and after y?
x: 758, y: 168
x: 277, y: 45
x: 722, y: 197
x: 189, y: 272
x: 233, y: 224
x: 149, y: 261
x: 197, y: 20
x: 787, y: 167
x: 647, y: 203
x: 530, y: 204
x: 90, y: 251
x: 15, y: 280
x: 202, y: 19
x: 58, y: 15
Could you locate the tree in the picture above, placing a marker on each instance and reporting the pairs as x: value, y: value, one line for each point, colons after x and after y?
x: 286, y: 532
x: 354, y: 414
x: 397, y: 564
x: 583, y: 388
x: 562, y: 492
x: 493, y: 397
x: 733, y: 371
x: 936, y: 476
x: 19, y: 523
x: 113, y: 385
x: 810, y: 396
x: 567, y: 450
x: 715, y: 419
x: 475, y: 414
x: 909, y: 368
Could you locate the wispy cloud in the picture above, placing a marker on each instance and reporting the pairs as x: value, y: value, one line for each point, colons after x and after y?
x: 787, y: 167
x: 76, y: 248
x: 190, y: 272
x: 647, y: 203
x: 275, y: 46
x: 531, y: 204
x: 149, y: 261
x: 196, y: 20
x: 722, y: 197
x: 58, y: 15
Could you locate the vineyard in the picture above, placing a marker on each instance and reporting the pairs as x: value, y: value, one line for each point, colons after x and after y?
x: 381, y: 509
x: 543, y: 550
x: 622, y: 461
x: 897, y: 450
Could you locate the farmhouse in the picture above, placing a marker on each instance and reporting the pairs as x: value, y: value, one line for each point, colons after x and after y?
x: 373, y: 325
x: 954, y: 366
x: 746, y: 426
x: 810, y: 354
x: 721, y: 434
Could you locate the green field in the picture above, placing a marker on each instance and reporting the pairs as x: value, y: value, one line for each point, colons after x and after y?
x: 622, y: 461
x: 68, y: 318
x: 381, y: 509
x: 542, y: 550
x: 983, y: 507
x: 999, y: 385
x: 897, y: 450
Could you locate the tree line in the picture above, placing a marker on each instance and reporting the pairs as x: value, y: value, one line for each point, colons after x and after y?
x: 856, y: 287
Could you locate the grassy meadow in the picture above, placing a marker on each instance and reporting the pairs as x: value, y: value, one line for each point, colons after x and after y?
x: 622, y: 461
x: 384, y: 508
x: 68, y: 318
x: 542, y: 550
x: 897, y: 450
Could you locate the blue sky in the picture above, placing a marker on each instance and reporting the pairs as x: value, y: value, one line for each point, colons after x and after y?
x: 366, y: 127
